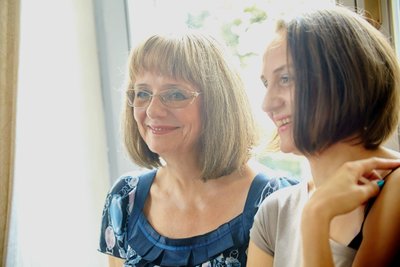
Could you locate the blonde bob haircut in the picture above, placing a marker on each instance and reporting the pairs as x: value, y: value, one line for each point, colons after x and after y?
x: 346, y: 80
x: 228, y: 128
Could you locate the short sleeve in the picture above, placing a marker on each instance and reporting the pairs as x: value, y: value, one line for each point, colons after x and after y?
x: 117, y: 208
x: 261, y: 232
x: 275, y: 184
x: 286, y: 181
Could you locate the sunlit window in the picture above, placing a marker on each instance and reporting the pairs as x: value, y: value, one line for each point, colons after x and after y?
x: 395, y: 8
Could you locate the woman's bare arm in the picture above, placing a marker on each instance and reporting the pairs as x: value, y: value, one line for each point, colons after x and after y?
x: 348, y: 189
x: 256, y: 257
x: 115, y: 262
x: 381, y: 232
x: 315, y: 236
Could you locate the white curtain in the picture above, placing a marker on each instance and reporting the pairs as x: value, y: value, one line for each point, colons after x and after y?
x: 61, y: 166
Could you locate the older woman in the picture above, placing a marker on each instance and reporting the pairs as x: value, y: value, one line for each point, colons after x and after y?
x: 188, y: 119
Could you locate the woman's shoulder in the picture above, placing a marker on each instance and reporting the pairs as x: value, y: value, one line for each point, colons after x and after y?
x: 119, y: 203
x: 394, y: 177
x: 381, y: 231
x: 287, y: 195
x: 389, y: 193
x: 266, y: 185
x: 129, y: 181
x: 124, y: 191
x: 269, y: 179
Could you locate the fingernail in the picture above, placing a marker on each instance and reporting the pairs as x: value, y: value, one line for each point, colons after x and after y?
x: 380, y: 183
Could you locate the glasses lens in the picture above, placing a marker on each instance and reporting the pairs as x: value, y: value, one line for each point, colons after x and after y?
x: 138, y: 98
x: 130, y: 94
x: 177, y: 98
x: 172, y: 98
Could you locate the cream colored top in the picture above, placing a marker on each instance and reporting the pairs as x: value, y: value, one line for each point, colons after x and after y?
x: 276, y: 228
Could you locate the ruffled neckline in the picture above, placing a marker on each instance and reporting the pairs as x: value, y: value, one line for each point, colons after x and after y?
x: 191, y: 251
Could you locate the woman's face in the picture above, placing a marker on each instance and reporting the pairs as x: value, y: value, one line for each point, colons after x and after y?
x: 168, y: 131
x: 277, y: 76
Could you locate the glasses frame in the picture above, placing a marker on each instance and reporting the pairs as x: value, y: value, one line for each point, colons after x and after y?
x: 193, y: 95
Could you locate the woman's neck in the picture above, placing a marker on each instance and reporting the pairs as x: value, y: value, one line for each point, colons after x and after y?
x: 187, y: 177
x: 328, y: 161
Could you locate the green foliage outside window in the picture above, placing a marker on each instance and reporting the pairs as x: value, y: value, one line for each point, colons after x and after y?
x: 231, y: 31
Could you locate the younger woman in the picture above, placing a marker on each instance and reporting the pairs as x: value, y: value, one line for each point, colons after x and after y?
x: 332, y: 85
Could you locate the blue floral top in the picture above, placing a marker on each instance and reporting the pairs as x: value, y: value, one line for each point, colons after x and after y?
x: 126, y: 233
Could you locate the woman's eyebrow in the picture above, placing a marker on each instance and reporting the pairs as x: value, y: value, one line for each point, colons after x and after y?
x: 281, y: 68
x: 140, y: 84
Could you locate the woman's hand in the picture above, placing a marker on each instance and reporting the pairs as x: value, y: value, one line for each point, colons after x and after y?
x: 350, y: 186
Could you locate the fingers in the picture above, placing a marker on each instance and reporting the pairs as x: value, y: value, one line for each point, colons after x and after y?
x: 371, y: 189
x: 373, y: 175
x: 370, y: 164
x: 362, y: 180
x: 352, y: 185
x: 373, y: 185
x: 366, y: 189
x: 380, y: 183
x: 367, y: 167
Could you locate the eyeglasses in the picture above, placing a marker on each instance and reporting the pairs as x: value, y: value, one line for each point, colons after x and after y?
x: 171, y: 98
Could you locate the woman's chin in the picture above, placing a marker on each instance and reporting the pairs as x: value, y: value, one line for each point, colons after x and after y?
x: 289, y: 149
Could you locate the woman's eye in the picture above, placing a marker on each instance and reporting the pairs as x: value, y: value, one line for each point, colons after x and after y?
x: 176, y: 95
x: 142, y: 94
x: 285, y: 80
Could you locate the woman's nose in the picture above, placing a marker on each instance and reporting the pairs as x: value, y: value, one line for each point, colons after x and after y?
x: 271, y: 101
x: 156, y: 108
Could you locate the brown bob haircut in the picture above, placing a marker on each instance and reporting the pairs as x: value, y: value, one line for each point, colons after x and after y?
x: 346, y: 79
x: 228, y: 127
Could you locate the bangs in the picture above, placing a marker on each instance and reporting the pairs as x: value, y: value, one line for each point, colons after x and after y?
x: 169, y: 57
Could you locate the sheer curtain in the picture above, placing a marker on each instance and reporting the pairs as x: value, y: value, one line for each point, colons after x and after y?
x: 61, y: 165
x: 9, y: 37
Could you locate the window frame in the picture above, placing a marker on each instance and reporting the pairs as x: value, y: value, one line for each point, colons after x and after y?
x: 113, y: 40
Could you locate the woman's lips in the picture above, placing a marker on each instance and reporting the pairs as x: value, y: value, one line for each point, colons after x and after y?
x: 160, y: 130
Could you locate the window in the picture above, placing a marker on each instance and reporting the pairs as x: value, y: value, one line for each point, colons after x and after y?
x: 61, y: 165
